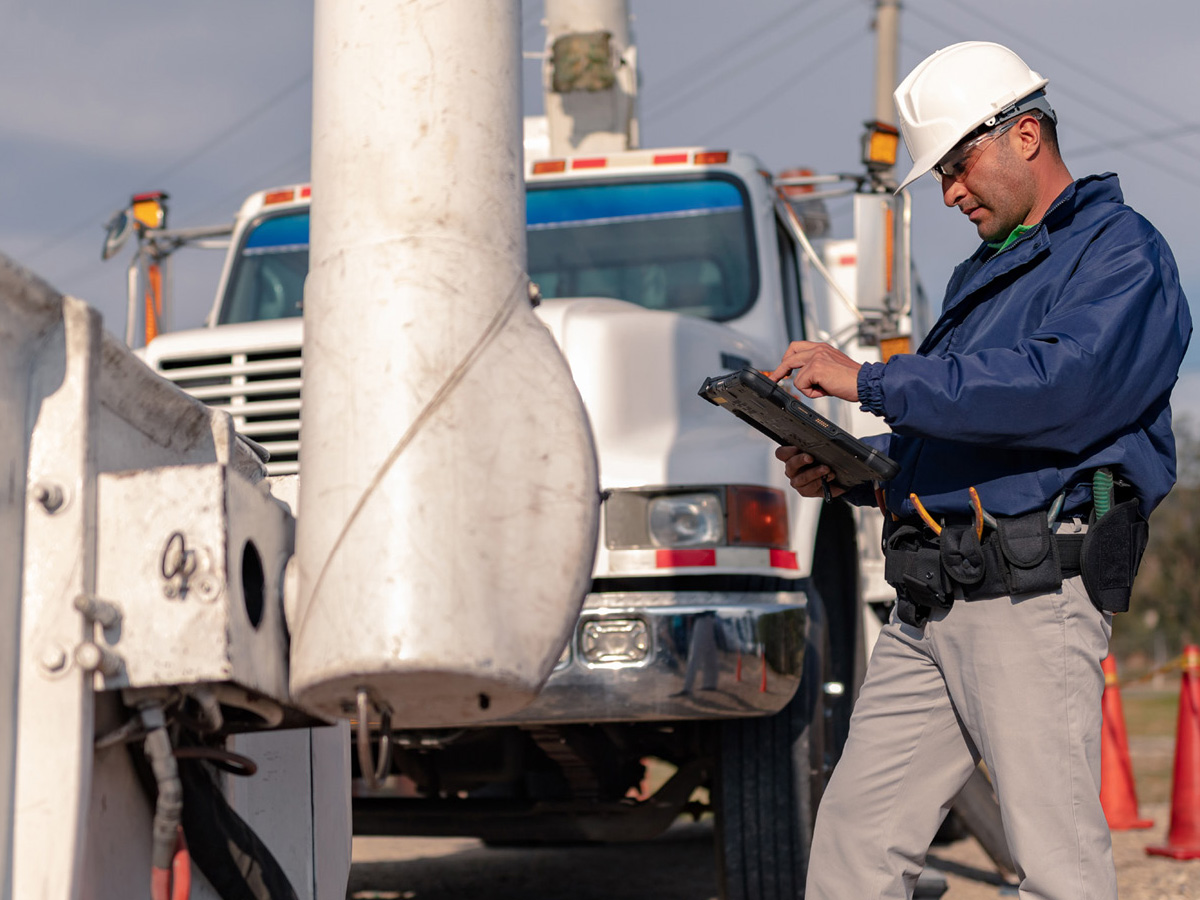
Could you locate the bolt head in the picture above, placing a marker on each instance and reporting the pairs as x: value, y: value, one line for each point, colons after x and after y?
x: 88, y: 656
x: 53, y: 658
x: 208, y: 588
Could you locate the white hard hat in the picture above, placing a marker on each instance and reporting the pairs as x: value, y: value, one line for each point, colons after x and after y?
x: 957, y: 89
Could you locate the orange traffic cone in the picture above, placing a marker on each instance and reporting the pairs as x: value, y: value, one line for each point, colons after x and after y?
x: 1117, y: 794
x: 1183, y: 838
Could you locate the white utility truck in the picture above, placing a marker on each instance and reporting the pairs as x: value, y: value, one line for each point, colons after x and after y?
x: 724, y: 632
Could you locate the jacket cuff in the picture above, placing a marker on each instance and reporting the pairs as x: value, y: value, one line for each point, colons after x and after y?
x: 870, y: 388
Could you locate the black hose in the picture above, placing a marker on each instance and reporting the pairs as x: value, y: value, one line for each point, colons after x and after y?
x: 232, y: 857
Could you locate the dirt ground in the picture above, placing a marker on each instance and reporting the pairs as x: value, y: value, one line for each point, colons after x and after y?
x: 679, y: 866
x: 1139, y: 876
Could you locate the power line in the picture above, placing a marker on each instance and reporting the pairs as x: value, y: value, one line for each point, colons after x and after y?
x: 763, y: 55
x: 769, y: 95
x: 264, y: 179
x: 1056, y: 54
x: 252, y: 116
x: 1182, y: 174
x: 1138, y: 139
x: 685, y: 75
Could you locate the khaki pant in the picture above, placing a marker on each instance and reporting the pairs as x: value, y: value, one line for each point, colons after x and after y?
x: 1014, y: 680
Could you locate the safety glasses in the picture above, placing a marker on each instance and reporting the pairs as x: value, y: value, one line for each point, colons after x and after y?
x: 958, y: 162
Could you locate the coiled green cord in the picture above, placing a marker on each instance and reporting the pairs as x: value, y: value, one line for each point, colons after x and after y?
x: 1102, y: 488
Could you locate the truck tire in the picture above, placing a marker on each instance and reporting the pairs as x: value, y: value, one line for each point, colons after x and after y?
x: 835, y: 578
x: 769, y: 776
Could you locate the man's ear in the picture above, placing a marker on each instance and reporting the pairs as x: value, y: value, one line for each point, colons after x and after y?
x: 1029, y: 136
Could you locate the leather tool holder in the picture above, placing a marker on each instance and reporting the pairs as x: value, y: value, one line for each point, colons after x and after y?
x: 913, y: 566
x: 1111, y: 553
x: 1019, y: 556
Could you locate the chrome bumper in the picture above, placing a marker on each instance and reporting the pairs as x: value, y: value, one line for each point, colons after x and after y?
x: 680, y: 655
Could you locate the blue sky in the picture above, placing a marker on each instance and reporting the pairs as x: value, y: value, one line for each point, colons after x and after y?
x: 211, y: 101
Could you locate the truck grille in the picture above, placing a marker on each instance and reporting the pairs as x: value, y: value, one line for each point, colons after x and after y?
x: 260, y: 389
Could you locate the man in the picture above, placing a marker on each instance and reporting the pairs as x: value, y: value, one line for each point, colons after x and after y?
x: 1046, y: 379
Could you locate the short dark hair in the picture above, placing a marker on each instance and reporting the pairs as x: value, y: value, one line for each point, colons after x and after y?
x: 1050, y: 134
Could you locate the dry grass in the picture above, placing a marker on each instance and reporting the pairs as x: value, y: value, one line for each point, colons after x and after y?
x: 1150, y: 719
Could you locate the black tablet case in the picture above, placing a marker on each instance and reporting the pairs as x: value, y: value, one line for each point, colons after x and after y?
x: 756, y: 399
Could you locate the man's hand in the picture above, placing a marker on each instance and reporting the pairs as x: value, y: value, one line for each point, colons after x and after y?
x: 808, y: 479
x: 819, y: 370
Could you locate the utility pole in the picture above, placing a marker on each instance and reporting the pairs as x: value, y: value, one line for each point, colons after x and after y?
x: 887, y: 40
x: 420, y: 337
x: 590, y: 77
x: 887, y: 60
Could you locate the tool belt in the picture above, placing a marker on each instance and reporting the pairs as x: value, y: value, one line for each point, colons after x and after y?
x: 1019, y: 555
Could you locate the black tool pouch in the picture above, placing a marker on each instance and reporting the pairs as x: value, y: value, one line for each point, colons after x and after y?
x: 962, y: 558
x: 913, y: 567
x: 1112, y: 550
x: 1025, y: 553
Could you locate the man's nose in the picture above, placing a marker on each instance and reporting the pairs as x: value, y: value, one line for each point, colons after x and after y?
x: 952, y: 191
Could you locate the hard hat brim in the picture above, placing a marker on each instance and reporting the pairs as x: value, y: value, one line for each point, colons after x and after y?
x: 929, y: 159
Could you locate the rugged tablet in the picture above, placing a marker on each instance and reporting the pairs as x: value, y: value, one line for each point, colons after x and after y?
x: 756, y: 399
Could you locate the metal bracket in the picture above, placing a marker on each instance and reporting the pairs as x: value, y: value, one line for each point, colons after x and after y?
x: 373, y: 772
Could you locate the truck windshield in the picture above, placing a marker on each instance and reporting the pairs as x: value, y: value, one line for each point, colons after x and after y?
x: 267, y: 281
x: 678, y: 245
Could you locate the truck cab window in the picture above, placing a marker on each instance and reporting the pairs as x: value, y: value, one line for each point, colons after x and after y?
x: 671, y: 245
x: 683, y: 245
x: 267, y: 281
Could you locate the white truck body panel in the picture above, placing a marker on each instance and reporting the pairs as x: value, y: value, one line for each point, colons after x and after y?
x: 637, y: 371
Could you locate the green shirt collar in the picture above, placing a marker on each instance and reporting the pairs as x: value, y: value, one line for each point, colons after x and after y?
x: 1016, y: 235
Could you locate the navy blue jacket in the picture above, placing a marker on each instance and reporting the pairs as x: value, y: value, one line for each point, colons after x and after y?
x: 1050, y: 359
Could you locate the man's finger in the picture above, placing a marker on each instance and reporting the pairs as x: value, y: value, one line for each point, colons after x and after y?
x: 781, y: 372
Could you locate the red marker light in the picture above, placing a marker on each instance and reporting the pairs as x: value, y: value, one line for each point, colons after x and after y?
x: 675, y: 559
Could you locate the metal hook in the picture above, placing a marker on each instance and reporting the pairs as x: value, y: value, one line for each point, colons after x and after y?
x: 373, y: 772
x: 177, y: 562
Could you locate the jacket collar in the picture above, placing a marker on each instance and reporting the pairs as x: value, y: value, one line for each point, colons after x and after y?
x: 985, y: 265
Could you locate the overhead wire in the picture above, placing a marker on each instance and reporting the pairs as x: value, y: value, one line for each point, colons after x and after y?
x: 685, y: 74
x: 1139, y: 100
x: 1127, y: 147
x: 666, y: 90
x: 265, y: 177
x: 1193, y: 128
x: 90, y: 271
x: 228, y: 131
x: 769, y: 93
x: 787, y: 41
x: 1083, y: 98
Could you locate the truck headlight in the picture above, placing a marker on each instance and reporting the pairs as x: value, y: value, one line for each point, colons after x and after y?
x: 686, y: 520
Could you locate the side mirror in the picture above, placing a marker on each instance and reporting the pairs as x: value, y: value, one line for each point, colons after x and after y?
x: 116, y: 232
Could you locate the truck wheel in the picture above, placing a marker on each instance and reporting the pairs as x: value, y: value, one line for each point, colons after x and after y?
x: 835, y: 577
x: 768, y: 781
